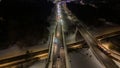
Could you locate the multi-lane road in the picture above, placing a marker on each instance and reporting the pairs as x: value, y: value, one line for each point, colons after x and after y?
x: 58, y: 50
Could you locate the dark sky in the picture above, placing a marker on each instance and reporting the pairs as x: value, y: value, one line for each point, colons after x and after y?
x: 24, y: 21
x: 108, y: 10
x: 26, y: 8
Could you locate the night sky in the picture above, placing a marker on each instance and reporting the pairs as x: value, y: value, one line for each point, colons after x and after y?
x: 26, y: 20
x: 110, y: 10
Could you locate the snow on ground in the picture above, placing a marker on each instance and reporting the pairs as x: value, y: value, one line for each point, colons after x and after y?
x: 84, y: 59
x: 15, y: 50
x: 71, y: 39
x: 40, y: 64
x: 10, y: 52
x: 118, y: 63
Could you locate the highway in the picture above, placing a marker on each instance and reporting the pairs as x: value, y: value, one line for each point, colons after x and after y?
x: 58, y: 51
x: 91, y: 41
x: 23, y: 58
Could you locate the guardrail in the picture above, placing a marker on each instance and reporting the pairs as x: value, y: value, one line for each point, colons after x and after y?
x: 66, y: 54
x: 49, y: 52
